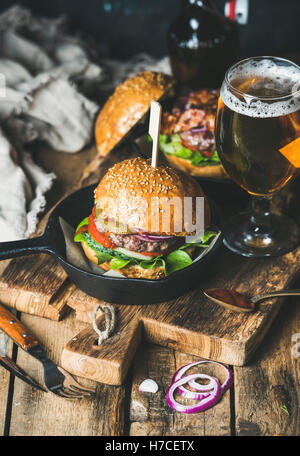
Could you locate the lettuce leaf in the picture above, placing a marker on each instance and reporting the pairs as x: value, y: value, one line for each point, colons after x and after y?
x: 118, y: 263
x: 85, y: 221
x: 102, y: 257
x: 174, y: 261
x: 172, y: 145
x: 80, y: 236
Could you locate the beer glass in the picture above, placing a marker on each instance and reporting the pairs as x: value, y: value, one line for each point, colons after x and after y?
x: 258, y: 142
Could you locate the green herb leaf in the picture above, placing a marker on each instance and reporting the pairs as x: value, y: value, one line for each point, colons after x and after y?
x: 208, y: 235
x: 285, y: 410
x: 118, y: 263
x: 162, y: 139
x: 172, y: 145
x: 197, y: 158
x: 79, y: 237
x: 201, y: 242
x: 82, y: 223
x: 102, y: 257
x: 177, y: 260
x: 151, y: 264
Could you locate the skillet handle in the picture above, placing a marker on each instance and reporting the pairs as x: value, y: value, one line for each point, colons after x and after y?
x: 23, y: 247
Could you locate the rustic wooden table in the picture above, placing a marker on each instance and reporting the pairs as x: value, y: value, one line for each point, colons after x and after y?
x: 264, y: 399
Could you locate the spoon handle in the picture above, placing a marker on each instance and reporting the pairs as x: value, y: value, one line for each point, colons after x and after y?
x: 275, y: 293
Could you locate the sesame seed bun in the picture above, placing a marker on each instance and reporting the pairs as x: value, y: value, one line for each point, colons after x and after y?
x: 212, y: 171
x: 127, y: 106
x: 132, y: 271
x: 129, y: 190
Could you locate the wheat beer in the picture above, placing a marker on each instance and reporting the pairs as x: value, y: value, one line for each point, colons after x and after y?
x: 259, y: 114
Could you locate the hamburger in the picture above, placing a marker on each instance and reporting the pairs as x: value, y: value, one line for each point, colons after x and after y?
x: 187, y: 135
x: 119, y: 233
x: 187, y: 131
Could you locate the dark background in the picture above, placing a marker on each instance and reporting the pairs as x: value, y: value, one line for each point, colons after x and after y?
x: 125, y: 27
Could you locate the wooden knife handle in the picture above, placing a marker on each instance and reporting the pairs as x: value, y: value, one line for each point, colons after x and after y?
x: 16, y: 330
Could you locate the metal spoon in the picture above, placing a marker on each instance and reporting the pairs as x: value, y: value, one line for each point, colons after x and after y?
x: 233, y: 300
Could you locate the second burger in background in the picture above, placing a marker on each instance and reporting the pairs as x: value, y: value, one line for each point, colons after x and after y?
x: 187, y: 135
x: 187, y: 131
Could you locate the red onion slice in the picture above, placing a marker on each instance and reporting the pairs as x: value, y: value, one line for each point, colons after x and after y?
x: 200, y: 388
x: 198, y: 130
x: 206, y: 402
x: 148, y: 237
x: 143, y: 237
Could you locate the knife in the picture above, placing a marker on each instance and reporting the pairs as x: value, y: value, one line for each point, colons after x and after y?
x: 11, y: 366
x: 57, y: 379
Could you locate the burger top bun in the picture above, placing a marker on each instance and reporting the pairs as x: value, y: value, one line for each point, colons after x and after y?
x: 127, y: 105
x: 140, y: 196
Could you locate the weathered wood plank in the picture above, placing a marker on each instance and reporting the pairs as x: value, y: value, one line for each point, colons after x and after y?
x: 4, y: 384
x: 29, y: 284
x: 4, y: 390
x: 110, y: 361
x: 190, y: 323
x: 4, y: 377
x: 150, y: 414
x: 267, y: 393
x: 83, y: 305
x: 38, y: 413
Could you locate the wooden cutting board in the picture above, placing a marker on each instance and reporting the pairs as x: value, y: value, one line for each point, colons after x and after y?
x: 38, y: 285
x: 190, y: 324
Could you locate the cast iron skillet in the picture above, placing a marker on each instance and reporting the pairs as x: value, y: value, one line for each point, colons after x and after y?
x: 127, y: 291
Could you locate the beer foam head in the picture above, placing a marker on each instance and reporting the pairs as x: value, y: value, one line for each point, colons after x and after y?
x: 279, y: 81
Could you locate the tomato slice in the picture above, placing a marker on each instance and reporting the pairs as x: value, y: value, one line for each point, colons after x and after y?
x: 185, y: 144
x: 151, y: 254
x: 207, y: 153
x: 103, y: 239
x: 96, y: 235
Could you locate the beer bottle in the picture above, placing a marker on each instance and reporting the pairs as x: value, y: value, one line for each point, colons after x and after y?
x: 202, y: 44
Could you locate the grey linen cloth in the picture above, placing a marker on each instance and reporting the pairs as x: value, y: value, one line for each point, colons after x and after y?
x: 48, y: 79
x: 44, y: 75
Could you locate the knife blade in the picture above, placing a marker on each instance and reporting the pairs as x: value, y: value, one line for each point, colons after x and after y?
x: 5, y: 360
x: 21, y: 336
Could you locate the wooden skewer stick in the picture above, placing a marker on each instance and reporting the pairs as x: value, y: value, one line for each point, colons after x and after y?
x: 154, y: 129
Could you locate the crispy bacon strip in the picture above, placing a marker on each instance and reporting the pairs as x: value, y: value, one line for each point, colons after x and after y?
x: 194, y: 110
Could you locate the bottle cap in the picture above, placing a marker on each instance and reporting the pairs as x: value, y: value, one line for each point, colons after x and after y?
x: 237, y: 10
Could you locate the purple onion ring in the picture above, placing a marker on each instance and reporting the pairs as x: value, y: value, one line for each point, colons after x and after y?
x: 206, y: 402
x: 201, y: 388
x: 148, y: 237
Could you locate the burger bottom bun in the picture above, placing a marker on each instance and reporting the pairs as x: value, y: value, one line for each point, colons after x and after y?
x: 213, y: 171
x: 131, y: 271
